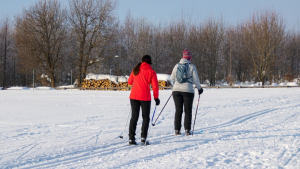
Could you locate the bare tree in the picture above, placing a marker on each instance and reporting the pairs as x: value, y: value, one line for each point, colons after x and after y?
x: 94, y: 25
x: 263, y: 36
x: 42, y: 32
x: 127, y: 36
x: 291, y: 51
x: 176, y: 42
x: 195, y: 44
x: 235, y: 64
x: 212, y: 37
x: 5, y: 47
x: 158, y: 46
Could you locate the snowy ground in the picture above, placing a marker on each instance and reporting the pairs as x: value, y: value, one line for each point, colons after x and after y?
x: 242, y: 128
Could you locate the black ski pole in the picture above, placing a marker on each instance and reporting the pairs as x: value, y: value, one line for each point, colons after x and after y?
x: 195, y: 116
x: 121, y: 136
x: 153, y: 124
x: 153, y: 114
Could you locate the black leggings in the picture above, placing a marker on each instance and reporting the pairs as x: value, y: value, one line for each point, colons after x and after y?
x: 183, y: 99
x: 135, y: 106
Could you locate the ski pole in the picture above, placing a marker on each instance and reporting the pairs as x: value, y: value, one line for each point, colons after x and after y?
x: 153, y: 114
x: 121, y: 136
x: 148, y: 132
x: 153, y: 124
x: 195, y: 116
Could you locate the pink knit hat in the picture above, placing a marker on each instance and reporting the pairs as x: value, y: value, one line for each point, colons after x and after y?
x: 187, y: 54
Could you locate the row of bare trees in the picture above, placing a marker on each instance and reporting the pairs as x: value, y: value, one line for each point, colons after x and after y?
x: 50, y: 37
x: 258, y: 49
x: 86, y: 36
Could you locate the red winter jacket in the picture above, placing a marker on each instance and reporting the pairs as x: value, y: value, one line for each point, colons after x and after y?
x: 141, y: 83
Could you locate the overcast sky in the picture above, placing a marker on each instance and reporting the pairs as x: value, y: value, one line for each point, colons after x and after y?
x: 233, y: 11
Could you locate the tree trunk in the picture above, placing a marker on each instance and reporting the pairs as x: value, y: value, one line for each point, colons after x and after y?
x: 5, y: 55
x: 52, y: 79
x: 4, y: 63
x: 80, y: 69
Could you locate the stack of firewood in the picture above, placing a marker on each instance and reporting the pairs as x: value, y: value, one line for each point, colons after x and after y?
x: 163, y: 84
x: 107, y: 84
x: 123, y: 84
x: 103, y: 83
x: 98, y: 83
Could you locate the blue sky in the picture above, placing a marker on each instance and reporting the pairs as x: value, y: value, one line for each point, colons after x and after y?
x: 233, y: 11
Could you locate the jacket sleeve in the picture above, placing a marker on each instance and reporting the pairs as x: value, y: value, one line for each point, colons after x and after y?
x: 173, y: 75
x: 154, y: 84
x: 130, y: 79
x: 196, y: 80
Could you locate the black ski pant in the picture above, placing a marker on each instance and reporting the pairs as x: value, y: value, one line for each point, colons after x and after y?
x: 183, y: 99
x: 135, y: 107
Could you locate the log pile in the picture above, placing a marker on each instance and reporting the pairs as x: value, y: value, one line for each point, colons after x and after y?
x: 163, y: 84
x: 106, y: 84
x: 97, y: 83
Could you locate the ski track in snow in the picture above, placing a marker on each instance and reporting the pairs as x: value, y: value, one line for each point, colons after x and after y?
x: 242, y: 128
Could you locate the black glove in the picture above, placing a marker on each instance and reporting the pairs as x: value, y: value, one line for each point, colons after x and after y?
x: 200, y: 91
x: 157, y: 101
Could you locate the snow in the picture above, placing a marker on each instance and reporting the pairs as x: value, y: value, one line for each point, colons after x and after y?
x: 113, y: 78
x: 163, y: 77
x: 292, y: 84
x: 26, y: 88
x: 160, y: 76
x: 167, y: 77
x: 44, y: 88
x: 18, y: 88
x: 288, y: 84
x: 242, y: 128
x: 66, y: 87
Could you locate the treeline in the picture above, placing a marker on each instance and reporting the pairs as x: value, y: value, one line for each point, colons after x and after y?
x: 87, y: 37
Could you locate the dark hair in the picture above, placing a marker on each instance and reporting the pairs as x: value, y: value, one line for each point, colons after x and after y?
x: 145, y: 58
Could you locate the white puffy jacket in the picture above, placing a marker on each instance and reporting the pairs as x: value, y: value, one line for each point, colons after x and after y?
x: 192, y: 72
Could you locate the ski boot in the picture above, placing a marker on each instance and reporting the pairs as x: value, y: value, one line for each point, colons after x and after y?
x: 132, y: 142
x: 177, y: 133
x: 144, y: 142
x: 188, y: 132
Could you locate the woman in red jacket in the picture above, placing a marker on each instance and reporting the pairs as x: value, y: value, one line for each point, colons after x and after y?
x: 140, y: 78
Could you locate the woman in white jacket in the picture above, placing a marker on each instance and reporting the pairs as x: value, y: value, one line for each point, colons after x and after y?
x: 183, y: 92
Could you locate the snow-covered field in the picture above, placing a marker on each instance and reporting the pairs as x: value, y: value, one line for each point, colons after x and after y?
x: 242, y: 128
